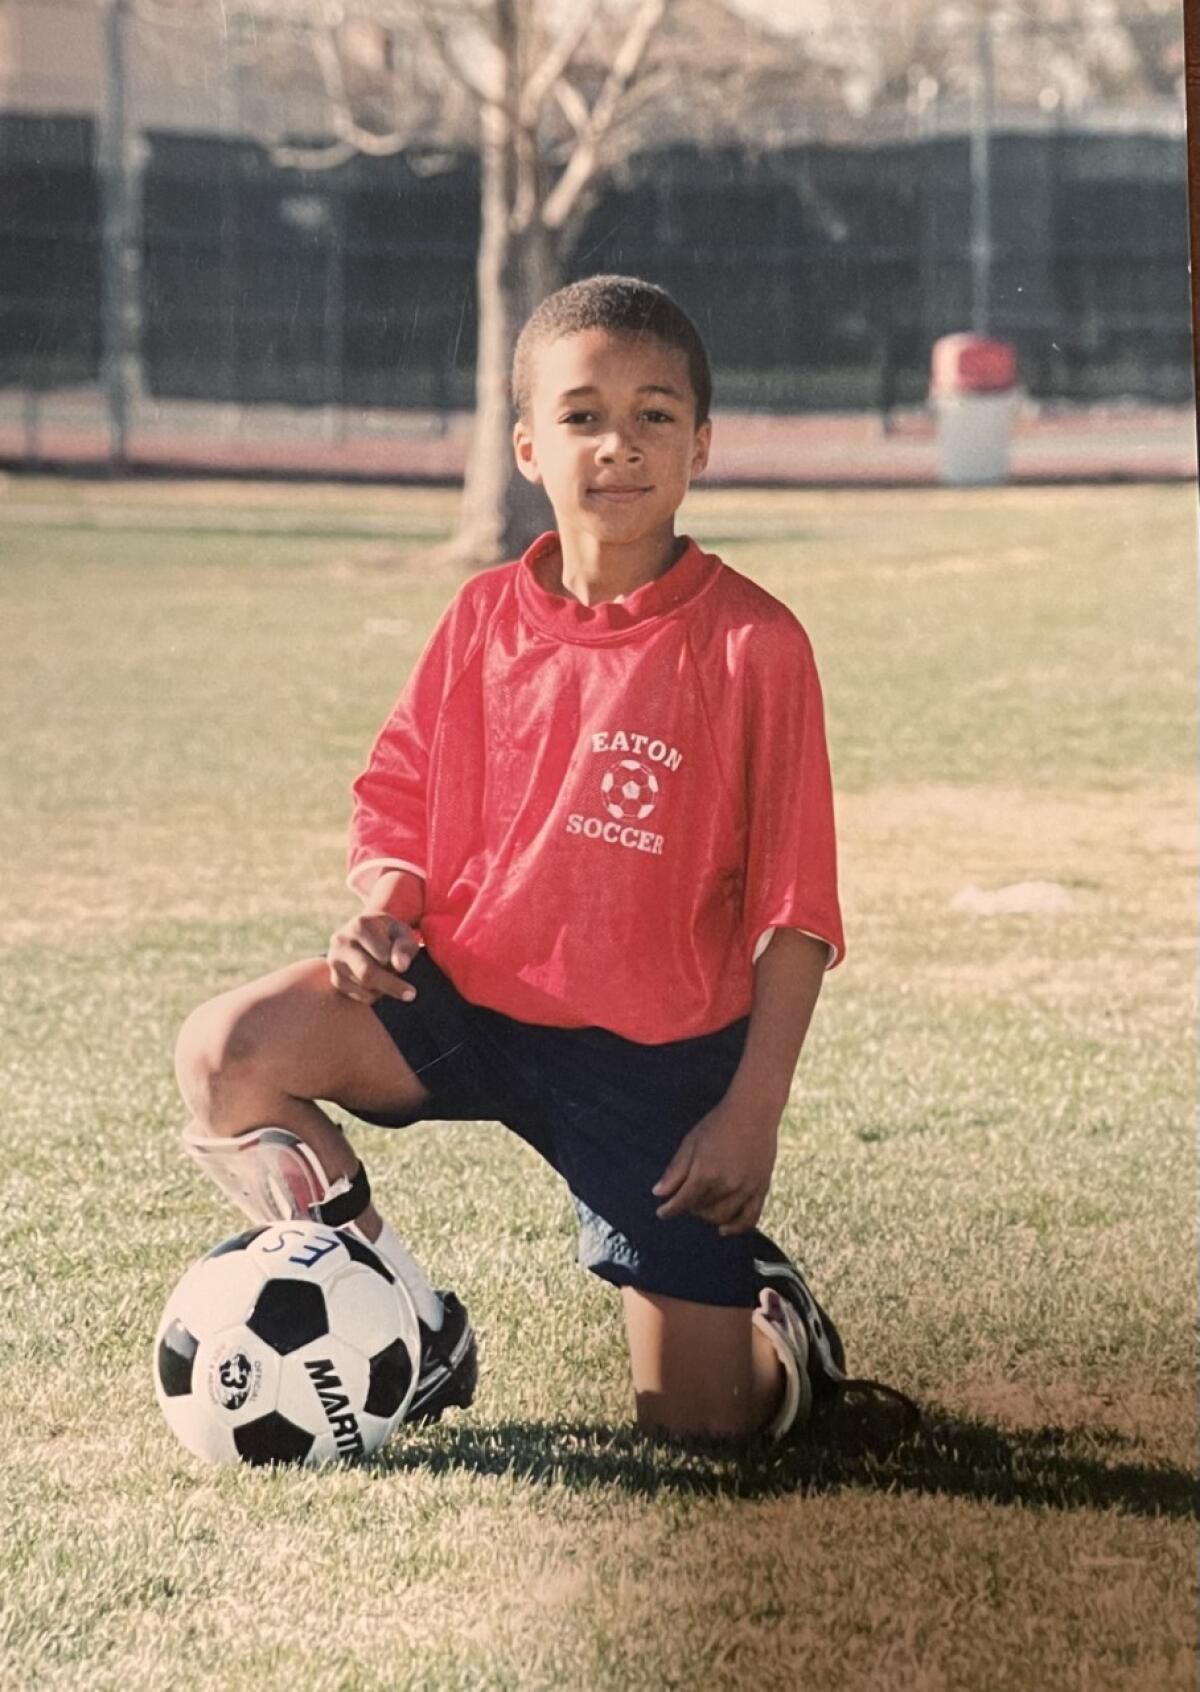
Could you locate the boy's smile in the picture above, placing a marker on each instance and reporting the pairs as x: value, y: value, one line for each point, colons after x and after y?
x: 613, y: 439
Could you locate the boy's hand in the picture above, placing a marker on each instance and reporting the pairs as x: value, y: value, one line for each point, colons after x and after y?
x: 722, y: 1170
x: 367, y: 957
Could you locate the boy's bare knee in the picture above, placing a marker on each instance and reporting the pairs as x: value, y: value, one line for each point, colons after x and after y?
x: 215, y: 1050
x: 197, y: 1057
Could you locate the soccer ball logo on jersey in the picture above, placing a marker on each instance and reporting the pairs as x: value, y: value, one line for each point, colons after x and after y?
x: 629, y: 790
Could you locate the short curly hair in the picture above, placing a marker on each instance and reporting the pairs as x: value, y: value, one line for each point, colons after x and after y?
x: 625, y: 305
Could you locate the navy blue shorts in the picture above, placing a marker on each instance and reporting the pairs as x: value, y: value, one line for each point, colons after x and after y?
x: 607, y: 1113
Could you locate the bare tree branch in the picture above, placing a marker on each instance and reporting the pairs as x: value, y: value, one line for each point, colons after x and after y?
x: 554, y: 62
x: 436, y: 36
x: 574, y: 106
x: 585, y: 159
x: 370, y: 141
x: 352, y: 137
x: 311, y: 158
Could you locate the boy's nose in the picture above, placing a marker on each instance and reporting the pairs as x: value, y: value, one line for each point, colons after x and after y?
x: 617, y: 445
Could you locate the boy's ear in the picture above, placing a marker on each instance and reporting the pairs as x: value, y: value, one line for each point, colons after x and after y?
x: 525, y: 456
x: 701, y: 446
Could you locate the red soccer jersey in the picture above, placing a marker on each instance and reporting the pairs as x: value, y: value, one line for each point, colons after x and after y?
x: 612, y: 807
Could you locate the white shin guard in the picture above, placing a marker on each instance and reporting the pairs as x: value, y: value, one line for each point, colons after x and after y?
x: 272, y: 1176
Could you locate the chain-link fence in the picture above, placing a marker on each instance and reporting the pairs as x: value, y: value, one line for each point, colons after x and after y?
x: 821, y: 272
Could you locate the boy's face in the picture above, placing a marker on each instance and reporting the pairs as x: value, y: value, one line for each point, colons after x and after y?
x: 611, y: 434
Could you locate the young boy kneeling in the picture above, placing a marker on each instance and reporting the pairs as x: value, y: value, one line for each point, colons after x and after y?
x: 595, y: 845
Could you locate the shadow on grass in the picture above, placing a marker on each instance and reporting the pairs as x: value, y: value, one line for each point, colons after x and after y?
x: 954, y: 1456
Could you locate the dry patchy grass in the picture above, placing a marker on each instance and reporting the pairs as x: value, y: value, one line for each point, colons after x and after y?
x: 987, y: 1160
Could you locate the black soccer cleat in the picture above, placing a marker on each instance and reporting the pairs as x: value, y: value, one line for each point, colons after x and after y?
x: 449, y: 1365
x: 826, y: 1353
x: 832, y: 1389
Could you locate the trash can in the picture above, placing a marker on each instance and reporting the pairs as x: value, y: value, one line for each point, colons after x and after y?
x: 973, y: 391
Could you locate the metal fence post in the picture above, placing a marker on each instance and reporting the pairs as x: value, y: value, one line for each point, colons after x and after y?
x: 121, y: 157
x: 981, y: 181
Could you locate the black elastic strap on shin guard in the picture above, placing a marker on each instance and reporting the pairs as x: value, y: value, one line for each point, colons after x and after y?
x: 336, y: 1212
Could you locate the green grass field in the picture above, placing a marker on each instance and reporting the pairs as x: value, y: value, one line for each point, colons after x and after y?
x: 987, y: 1163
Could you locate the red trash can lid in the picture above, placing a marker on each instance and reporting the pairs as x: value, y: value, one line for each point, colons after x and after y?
x: 973, y: 364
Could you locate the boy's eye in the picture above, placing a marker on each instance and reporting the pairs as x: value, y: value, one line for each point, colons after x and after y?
x: 586, y: 416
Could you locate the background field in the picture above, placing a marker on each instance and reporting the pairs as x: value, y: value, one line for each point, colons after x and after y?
x: 987, y: 1164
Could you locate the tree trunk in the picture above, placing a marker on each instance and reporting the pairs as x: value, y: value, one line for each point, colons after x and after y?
x: 500, y: 511
x: 518, y: 265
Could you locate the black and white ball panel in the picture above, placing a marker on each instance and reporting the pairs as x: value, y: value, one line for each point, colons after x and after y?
x: 289, y: 1343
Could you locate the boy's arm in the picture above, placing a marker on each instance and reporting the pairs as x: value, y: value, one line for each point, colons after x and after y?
x: 722, y: 1169
x: 787, y: 982
x: 399, y: 894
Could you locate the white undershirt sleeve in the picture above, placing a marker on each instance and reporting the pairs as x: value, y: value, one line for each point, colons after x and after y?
x: 764, y: 940
x: 364, y: 876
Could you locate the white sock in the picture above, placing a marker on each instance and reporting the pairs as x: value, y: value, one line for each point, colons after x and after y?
x: 400, y: 1260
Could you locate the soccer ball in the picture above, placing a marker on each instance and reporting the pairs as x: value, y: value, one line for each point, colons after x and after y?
x: 292, y: 1343
x: 630, y: 790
